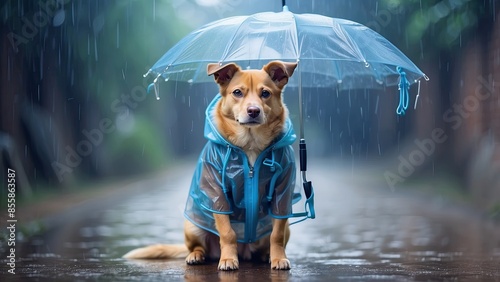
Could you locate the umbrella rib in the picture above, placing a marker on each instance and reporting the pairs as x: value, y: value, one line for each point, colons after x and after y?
x: 231, y: 42
x: 347, y: 39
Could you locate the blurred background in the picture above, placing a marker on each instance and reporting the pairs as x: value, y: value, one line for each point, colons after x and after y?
x: 74, y: 110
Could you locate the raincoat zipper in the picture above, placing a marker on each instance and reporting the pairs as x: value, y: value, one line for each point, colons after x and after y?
x: 252, y: 196
x: 250, y: 199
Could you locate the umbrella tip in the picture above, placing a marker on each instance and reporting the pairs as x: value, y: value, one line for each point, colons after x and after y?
x: 285, y: 7
x: 146, y: 74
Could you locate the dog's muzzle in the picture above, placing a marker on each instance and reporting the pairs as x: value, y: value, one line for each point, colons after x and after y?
x: 252, y: 118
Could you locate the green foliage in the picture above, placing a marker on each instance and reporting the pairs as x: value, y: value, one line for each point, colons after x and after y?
x: 442, y: 24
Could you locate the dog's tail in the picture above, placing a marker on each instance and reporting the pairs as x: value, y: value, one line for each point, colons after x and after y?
x: 158, y: 252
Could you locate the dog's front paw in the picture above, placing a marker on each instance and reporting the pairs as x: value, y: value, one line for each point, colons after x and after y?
x: 280, y: 264
x: 195, y: 257
x: 229, y: 264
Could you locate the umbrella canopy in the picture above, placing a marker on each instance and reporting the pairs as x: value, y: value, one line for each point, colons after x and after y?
x: 331, y: 52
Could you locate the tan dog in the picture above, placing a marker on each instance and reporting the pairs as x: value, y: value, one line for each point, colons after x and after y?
x: 251, y: 116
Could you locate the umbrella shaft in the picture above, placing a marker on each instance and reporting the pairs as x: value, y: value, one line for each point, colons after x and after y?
x: 301, y: 113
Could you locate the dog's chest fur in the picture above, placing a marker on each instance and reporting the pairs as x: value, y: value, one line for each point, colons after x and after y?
x: 250, y: 142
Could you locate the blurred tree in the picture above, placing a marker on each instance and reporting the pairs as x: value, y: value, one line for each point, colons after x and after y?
x: 459, y: 40
x: 67, y: 67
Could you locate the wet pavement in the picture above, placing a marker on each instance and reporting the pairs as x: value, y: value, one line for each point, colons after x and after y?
x: 363, y: 231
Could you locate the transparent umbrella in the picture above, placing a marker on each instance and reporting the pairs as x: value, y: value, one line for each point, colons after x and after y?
x: 330, y: 52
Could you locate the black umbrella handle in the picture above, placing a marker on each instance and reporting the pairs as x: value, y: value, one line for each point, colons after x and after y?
x: 303, y: 155
x: 303, y: 167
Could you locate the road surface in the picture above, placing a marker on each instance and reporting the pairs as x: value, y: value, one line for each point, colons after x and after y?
x: 363, y: 231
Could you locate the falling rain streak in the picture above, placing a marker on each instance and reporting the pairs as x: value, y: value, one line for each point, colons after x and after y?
x: 41, y: 64
x: 117, y: 35
x: 8, y: 68
x: 95, y: 49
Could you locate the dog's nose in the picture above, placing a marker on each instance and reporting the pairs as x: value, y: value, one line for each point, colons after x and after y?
x: 253, y: 111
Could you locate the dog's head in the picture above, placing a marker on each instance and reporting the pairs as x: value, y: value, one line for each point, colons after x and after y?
x: 252, y: 97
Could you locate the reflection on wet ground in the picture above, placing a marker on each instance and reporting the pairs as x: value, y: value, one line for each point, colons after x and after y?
x: 363, y: 231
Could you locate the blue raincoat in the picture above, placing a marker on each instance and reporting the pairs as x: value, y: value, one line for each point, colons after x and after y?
x: 225, y: 183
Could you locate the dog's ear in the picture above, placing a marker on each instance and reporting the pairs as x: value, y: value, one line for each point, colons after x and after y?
x: 222, y: 74
x: 280, y: 72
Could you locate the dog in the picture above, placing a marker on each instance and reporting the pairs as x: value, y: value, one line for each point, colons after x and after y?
x: 241, y: 194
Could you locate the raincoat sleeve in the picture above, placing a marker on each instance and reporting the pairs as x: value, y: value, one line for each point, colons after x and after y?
x: 210, y: 194
x: 281, y: 203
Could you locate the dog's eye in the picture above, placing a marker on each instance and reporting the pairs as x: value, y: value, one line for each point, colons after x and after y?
x: 265, y: 94
x: 237, y: 93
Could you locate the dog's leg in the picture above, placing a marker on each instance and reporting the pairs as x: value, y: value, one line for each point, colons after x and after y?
x: 195, y: 243
x: 228, y: 246
x: 279, y: 238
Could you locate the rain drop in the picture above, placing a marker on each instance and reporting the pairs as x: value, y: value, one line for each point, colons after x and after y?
x: 421, y: 50
x: 41, y: 65
x: 59, y: 17
x: 154, y: 10
x: 98, y: 23
x: 8, y: 68
x: 117, y: 35
x: 95, y: 49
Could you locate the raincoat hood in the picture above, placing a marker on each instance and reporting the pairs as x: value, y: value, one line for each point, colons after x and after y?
x: 225, y: 183
x: 212, y: 134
